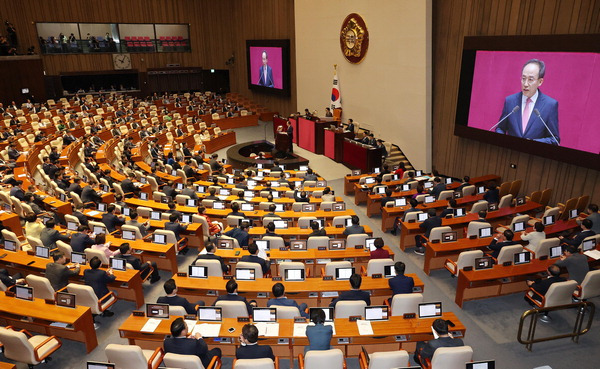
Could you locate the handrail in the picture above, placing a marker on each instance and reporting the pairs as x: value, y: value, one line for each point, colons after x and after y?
x: 582, y: 307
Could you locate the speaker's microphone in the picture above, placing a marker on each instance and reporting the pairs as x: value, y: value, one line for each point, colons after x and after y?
x: 515, y: 109
x: 537, y: 112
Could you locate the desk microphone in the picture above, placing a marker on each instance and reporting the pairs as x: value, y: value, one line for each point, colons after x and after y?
x: 515, y: 109
x: 537, y: 112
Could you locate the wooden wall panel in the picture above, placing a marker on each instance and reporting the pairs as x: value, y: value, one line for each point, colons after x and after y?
x: 456, y: 156
x: 217, y: 28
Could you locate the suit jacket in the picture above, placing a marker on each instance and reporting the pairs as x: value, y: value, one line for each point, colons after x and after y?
x: 268, y: 82
x: 128, y: 186
x: 353, y: 295
x: 542, y: 285
x: 284, y: 301
x: 429, y: 224
x: 437, y: 189
x: 319, y: 232
x: 319, y: 336
x: 255, y: 259
x: 354, y: 229
x: 535, y: 130
x: 241, y: 236
x: 578, y: 239
x: 80, y: 242
x: 17, y: 192
x: 88, y: 194
x: 177, y: 228
x: 234, y: 297
x: 432, y: 345
x: 214, y: 164
x: 82, y: 218
x: 492, y: 196
x: 49, y: 236
x: 98, y: 279
x: 188, y: 346
x: 111, y: 221
x: 497, y: 246
x: 138, y: 225
x: 401, y: 284
x: 169, y: 191
x: 59, y: 274
x: 177, y: 301
x: 190, y: 192
x: 213, y: 257
x: 135, y: 262
x: 254, y: 352
x: 74, y: 187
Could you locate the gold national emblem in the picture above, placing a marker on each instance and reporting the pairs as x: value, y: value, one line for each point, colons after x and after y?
x: 354, y: 38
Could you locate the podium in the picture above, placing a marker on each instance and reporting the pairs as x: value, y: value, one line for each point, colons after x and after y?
x: 282, y: 142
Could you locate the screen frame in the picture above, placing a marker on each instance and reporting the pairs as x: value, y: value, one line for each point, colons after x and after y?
x: 284, y: 44
x: 546, y: 43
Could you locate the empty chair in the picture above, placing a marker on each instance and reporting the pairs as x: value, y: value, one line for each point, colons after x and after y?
x: 214, y: 267
x: 23, y: 347
x: 340, y: 221
x: 144, y: 211
x: 232, y: 309
x: 34, y: 241
x: 446, y: 195
x: 133, y: 357
x: 42, y: 289
x: 515, y: 187
x: 265, y: 363
x: 412, y: 216
x: 376, y: 266
x: 189, y: 362
x: 315, y: 242
x: 90, y: 253
x: 333, y: 265
x: 258, y: 273
x: 468, y: 191
x: 345, y: 309
x: 549, y: 211
x: 85, y: 296
x: 436, y: 233
x: 330, y: 359
x: 479, y: 206
x: 304, y: 222
x: 287, y: 312
x: 11, y: 236
x: 590, y: 287
x: 517, y: 219
x: 384, y: 360
x: 507, y: 253
x: 505, y: 201
x: 356, y: 240
x: 406, y: 303
x: 451, y: 357
x: 65, y: 248
x: 233, y: 220
x: 175, y: 310
x: 465, y: 258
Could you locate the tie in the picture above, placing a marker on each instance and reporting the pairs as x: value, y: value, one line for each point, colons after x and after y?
x: 526, y: 113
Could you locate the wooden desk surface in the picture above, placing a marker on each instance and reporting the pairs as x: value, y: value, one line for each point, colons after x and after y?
x: 256, y: 232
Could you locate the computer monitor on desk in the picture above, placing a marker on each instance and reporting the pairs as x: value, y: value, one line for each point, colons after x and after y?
x: 490, y: 364
x: 327, y: 310
x: 298, y: 245
x: 157, y: 311
x: 24, y: 292
x: 430, y: 310
x: 210, y: 314
x: 343, y: 274
x: 99, y: 365
x: 485, y: 232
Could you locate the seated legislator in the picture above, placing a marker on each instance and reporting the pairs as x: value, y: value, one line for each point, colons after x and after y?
x: 33, y: 226
x: 176, y: 227
x: 534, y: 238
x: 318, y: 334
x: 100, y: 244
x: 254, y: 258
x: 77, y: 213
x: 388, y: 197
x: 450, y: 209
x: 594, y: 216
x: 310, y: 176
x: 110, y: 220
x: 235, y: 210
x: 542, y: 285
x: 576, y: 263
x: 316, y: 230
x: 133, y: 221
x: 213, y: 227
x: 58, y: 273
x: 183, y: 344
x: 232, y: 295
x: 49, y: 235
x: 10, y: 280
x: 81, y: 240
x: 210, y: 255
x: 88, y: 194
x: 355, y: 294
x: 327, y: 195
x: 137, y: 264
x: 271, y: 213
x: 249, y: 347
x: 492, y: 194
x: 430, y: 223
x: 240, y: 233
x: 500, y: 240
x: 438, y: 187
x: 355, y: 228
x: 400, y: 283
x: 379, y: 252
x: 425, y: 350
x: 172, y: 299
x: 586, y: 231
x: 280, y: 299
x: 99, y: 279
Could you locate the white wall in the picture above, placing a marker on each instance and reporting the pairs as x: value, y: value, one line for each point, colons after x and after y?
x: 390, y: 91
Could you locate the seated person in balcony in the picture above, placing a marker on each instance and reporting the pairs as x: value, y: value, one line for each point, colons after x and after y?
x: 586, y: 231
x: 425, y: 350
x: 172, y: 299
x: 316, y: 230
x: 254, y: 258
x: 210, y: 255
x: 379, y: 252
x: 400, y: 283
x: 355, y: 294
x: 542, y: 285
x: 249, y: 347
x: 500, y: 240
x: 355, y: 228
x: 240, y: 233
x: 280, y: 299
x: 576, y: 263
x: 319, y: 335
x: 232, y: 295
x: 180, y: 342
x: 136, y: 263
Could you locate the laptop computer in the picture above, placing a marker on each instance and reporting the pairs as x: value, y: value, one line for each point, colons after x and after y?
x: 126, y: 211
x: 143, y: 196
x: 522, y: 258
x: 279, y: 208
x: 197, y: 271
x: 218, y: 205
x: 389, y: 271
x: 381, y: 190
x: 548, y: 220
x: 429, y: 199
x: 369, y: 180
x: 245, y: 274
x: 343, y: 274
x: 459, y: 212
x: 405, y: 187
x: 430, y: 310
x: 210, y: 314
x: 99, y: 230
x: 24, y: 292
x: 160, y: 311
x: 155, y: 215
x: 400, y: 202
x: 102, y: 206
x: 421, y: 217
x: 118, y: 264
x: 519, y: 226
x: 263, y: 244
x: 480, y: 189
x: 483, y: 263
x: 78, y: 257
x: 264, y: 315
x: 191, y: 202
x: 280, y: 224
x: 370, y: 243
x: 298, y: 245
x: 588, y: 245
x: 186, y: 218
x: 520, y: 200
x: 247, y: 207
x: 376, y: 312
x: 72, y: 226
x: 10, y: 245
x: 65, y: 299
x: 428, y: 184
x: 337, y: 244
x: 294, y: 275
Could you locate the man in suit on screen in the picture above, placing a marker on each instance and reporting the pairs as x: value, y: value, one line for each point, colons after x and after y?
x: 265, y: 77
x: 531, y: 114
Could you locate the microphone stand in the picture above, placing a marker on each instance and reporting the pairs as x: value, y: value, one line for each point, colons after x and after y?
x: 537, y: 112
x: 516, y: 108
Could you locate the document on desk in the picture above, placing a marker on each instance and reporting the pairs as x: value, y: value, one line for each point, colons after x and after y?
x: 151, y: 325
x: 300, y: 329
x: 267, y: 329
x: 329, y: 294
x: 364, y: 327
x: 190, y: 325
x: 594, y: 254
x: 93, y: 213
x: 207, y: 329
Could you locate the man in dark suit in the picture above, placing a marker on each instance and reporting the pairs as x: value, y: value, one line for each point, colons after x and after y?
x: 355, y: 228
x: 400, y: 283
x: 586, y: 231
x: 542, y: 285
x: 17, y: 190
x: 535, y: 114
x: 88, y: 194
x: 350, y: 125
x: 232, y: 295
x: 290, y: 133
x: 169, y: 190
x: 438, y: 187
x: 276, y: 167
x: 81, y: 240
x: 210, y: 255
x: 425, y: 350
x: 172, y: 299
x: 180, y: 343
x: 174, y: 225
x: 110, y: 220
x: 253, y: 258
x: 279, y: 299
x: 317, y: 231
x: 430, y: 223
x: 240, y: 233
x: 215, y: 166
x: 128, y: 186
x: 492, y: 194
x: 355, y: 294
x: 10, y: 280
x: 265, y: 73
x: 75, y: 187
x: 249, y: 348
x: 500, y: 240
x: 99, y: 279
x: 190, y: 191
x: 49, y: 235
x: 452, y: 205
x: 79, y: 215
x: 136, y: 263
x: 300, y: 196
x: 58, y: 273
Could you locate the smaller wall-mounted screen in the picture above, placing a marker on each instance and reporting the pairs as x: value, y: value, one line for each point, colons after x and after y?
x: 269, y: 66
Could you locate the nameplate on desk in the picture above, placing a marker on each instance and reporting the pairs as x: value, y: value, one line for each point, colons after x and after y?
x: 358, y: 247
x: 377, y: 276
x: 328, y: 278
x: 261, y: 295
x: 9, y: 293
x: 138, y: 313
x: 468, y: 268
x: 435, y: 241
x: 190, y: 317
x: 282, y: 249
x: 276, y: 279
x: 179, y: 274
x: 322, y: 248
x: 544, y: 257
x: 354, y: 318
x: 49, y: 301
x: 409, y: 315
x: 411, y: 221
x: 473, y: 237
x: 456, y: 334
x: 299, y: 319
x: 227, y: 277
x: 507, y: 263
x: 243, y: 319
x: 417, y: 289
x: 400, y: 338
